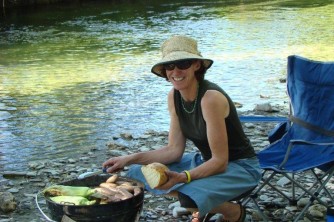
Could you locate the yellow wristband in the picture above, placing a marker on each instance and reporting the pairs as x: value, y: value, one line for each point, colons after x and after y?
x: 188, y: 176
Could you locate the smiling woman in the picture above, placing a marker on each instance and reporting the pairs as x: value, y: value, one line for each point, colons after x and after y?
x: 224, y: 154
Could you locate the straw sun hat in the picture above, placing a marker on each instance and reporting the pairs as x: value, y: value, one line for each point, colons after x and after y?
x: 179, y: 48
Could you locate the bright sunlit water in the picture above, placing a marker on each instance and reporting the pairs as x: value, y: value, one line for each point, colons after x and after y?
x: 72, y: 77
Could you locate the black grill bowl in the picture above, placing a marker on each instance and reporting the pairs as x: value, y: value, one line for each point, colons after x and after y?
x: 122, y: 211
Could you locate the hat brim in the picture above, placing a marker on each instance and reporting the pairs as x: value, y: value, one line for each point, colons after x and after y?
x: 179, y: 56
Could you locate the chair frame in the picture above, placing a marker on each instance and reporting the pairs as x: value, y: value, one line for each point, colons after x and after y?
x: 313, y: 192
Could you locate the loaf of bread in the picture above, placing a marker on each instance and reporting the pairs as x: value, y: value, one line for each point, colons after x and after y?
x: 154, y: 174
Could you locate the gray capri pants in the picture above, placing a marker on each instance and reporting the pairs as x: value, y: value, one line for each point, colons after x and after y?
x: 209, y: 192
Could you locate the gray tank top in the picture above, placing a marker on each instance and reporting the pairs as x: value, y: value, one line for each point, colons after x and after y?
x: 193, y: 125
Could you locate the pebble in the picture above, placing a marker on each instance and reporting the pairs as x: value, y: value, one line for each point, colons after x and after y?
x: 126, y: 136
x: 13, y: 190
x: 302, y: 202
x: 7, y: 202
x: 266, y: 107
x: 173, y: 205
x: 144, y: 149
x: 316, y: 213
x: 179, y: 211
x: 283, y: 182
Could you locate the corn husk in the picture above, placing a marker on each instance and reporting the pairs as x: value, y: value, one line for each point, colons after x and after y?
x: 62, y: 190
x: 72, y: 200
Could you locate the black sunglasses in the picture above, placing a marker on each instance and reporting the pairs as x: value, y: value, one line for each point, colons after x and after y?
x: 184, y: 64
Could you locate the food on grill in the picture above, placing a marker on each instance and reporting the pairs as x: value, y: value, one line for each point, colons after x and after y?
x: 136, y: 191
x: 106, y: 192
x: 112, y: 179
x: 155, y: 174
x: 129, y: 187
x: 72, y: 200
x: 110, y: 186
x: 61, y: 190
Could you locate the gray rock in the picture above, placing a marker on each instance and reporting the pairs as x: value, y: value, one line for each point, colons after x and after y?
x: 265, y: 107
x: 14, y: 174
x: 144, y: 149
x: 72, y: 161
x: 145, y: 136
x: 318, y: 207
x: 126, y: 136
x: 179, y: 211
x: 156, y: 147
x: 316, y: 213
x: 283, y: 182
x: 13, y: 190
x: 117, y: 153
x: 7, y: 202
x: 302, y: 202
x: 173, y: 205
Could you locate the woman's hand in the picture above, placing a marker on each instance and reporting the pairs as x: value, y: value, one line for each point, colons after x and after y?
x: 115, y: 164
x: 173, y: 178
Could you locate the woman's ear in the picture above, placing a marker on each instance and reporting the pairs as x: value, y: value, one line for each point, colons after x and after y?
x: 197, y: 65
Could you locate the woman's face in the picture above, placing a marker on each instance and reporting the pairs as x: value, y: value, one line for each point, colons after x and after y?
x: 182, y: 73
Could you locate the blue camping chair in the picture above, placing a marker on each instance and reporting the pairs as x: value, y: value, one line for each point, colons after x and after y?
x: 307, y: 141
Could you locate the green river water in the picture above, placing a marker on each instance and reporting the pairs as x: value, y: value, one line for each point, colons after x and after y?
x: 74, y: 76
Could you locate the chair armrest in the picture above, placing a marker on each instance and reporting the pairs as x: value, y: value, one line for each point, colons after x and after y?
x: 292, y: 142
x: 314, y: 142
x: 275, y: 134
x: 259, y: 119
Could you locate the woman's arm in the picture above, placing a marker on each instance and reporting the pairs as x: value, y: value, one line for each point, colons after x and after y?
x: 215, y: 109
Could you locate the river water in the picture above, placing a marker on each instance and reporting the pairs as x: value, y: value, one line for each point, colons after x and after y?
x: 74, y: 77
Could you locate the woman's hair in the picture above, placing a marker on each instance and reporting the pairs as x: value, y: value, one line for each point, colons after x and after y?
x: 199, y: 74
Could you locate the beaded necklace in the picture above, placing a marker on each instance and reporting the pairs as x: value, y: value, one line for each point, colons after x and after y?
x: 193, y: 109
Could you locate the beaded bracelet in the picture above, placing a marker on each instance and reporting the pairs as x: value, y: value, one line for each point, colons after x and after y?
x: 188, y: 176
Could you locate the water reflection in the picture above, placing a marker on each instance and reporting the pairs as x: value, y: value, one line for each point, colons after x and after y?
x: 72, y: 77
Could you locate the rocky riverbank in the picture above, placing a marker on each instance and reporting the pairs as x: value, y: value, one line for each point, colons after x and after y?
x: 20, y: 187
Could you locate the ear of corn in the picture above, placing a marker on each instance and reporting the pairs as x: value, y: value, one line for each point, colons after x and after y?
x: 72, y: 200
x: 61, y: 190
